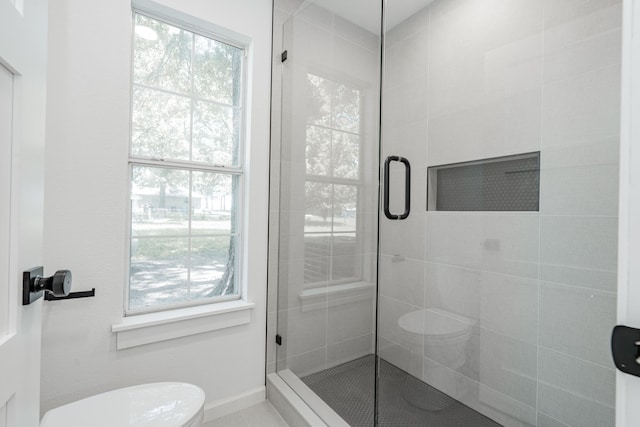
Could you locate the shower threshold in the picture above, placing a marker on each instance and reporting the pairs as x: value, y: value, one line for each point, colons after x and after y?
x: 403, y: 400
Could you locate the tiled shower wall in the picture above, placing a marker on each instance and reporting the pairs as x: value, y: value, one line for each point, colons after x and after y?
x: 475, y: 79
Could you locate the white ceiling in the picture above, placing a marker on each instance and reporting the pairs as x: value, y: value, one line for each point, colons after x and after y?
x: 366, y: 13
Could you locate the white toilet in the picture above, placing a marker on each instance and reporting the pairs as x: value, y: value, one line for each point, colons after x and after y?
x: 445, y: 337
x: 168, y: 404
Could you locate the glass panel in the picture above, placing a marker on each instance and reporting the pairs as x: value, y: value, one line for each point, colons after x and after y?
x: 326, y: 177
x: 346, y: 155
x: 213, y: 266
x: 216, y: 134
x: 318, y: 207
x: 161, y: 125
x: 318, y: 98
x: 345, y: 208
x: 346, y: 108
x: 318, y: 151
x: 162, y: 55
x: 159, y: 202
x: 159, y: 271
x: 217, y: 71
x: 213, y: 204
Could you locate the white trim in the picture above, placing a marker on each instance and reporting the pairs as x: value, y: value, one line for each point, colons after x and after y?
x: 193, y: 24
x: 289, y: 405
x: 165, y: 325
x: 222, y: 407
x: 628, y: 387
x: 324, y: 411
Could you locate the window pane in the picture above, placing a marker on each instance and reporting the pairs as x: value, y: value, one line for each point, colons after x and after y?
x: 158, y: 272
x: 162, y: 55
x: 318, y: 151
x: 319, y: 98
x: 346, y: 108
x: 217, y: 71
x: 318, y: 209
x: 346, y: 155
x: 213, y: 205
x: 216, y: 133
x: 345, y: 208
x: 213, y: 267
x: 159, y: 202
x: 161, y: 125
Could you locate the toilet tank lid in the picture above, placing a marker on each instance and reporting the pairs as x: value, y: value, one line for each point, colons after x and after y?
x: 168, y: 404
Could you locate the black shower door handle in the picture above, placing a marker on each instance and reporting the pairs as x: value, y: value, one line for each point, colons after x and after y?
x: 407, y: 187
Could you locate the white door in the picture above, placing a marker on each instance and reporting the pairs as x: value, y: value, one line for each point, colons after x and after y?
x: 628, y: 387
x: 23, y: 30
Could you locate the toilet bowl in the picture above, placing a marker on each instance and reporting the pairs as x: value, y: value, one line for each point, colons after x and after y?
x: 168, y: 404
x: 445, y: 336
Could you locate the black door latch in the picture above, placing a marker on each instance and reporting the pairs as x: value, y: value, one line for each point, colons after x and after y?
x: 625, y: 346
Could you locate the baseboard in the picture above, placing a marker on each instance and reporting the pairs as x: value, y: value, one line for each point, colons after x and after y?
x: 227, y: 406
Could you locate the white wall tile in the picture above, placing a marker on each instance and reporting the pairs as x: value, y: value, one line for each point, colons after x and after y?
x: 584, y: 110
x: 580, y: 181
x: 547, y: 421
x: 588, y: 55
x: 589, y: 382
x: 572, y: 248
x: 404, y: 238
x: 560, y: 12
x: 561, y: 34
x: 492, y: 129
x: 347, y: 320
x: 402, y: 278
x: 573, y: 409
x: 507, y: 365
x: 577, y: 322
x: 305, y: 330
x: 349, y: 350
x: 501, y: 243
x: 497, y: 406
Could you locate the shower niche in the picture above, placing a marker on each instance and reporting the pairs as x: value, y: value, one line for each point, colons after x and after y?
x: 509, y: 183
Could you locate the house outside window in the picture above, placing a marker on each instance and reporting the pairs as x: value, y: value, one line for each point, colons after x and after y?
x: 186, y: 167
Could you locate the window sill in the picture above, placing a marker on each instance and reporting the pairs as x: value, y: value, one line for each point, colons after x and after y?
x: 317, y: 298
x: 154, y: 327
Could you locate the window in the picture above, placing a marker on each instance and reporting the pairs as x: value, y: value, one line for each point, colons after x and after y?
x: 186, y: 167
x: 333, y: 184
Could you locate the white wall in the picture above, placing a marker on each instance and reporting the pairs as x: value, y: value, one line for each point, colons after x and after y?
x: 86, y: 202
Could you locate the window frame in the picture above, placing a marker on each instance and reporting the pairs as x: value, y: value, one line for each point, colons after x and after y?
x: 239, y: 170
x: 357, y: 183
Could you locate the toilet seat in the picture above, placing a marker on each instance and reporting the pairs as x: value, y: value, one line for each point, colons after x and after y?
x: 168, y: 404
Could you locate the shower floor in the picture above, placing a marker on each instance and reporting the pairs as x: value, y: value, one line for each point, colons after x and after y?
x: 349, y: 390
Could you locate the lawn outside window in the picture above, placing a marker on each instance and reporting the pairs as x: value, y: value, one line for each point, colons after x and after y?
x: 186, y: 168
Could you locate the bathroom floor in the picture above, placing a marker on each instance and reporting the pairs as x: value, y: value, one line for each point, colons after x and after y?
x: 349, y: 390
x: 260, y: 415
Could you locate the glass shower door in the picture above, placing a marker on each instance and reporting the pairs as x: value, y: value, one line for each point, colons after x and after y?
x: 497, y: 292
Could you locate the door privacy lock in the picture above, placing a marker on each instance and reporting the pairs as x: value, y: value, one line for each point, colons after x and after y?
x: 34, y: 285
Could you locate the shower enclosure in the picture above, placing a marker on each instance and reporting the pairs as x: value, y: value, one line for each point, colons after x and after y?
x: 443, y: 221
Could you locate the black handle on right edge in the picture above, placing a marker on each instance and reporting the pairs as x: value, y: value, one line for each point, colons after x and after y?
x: 407, y: 187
